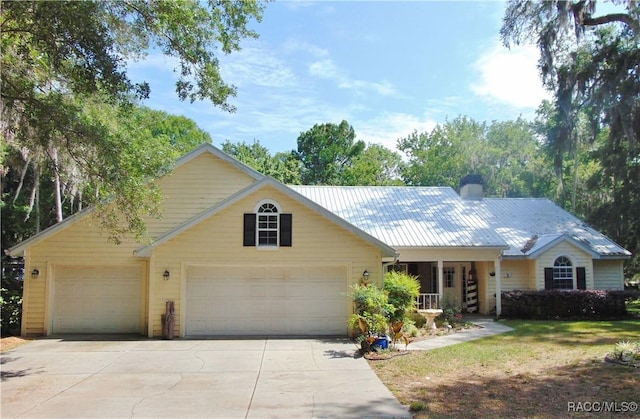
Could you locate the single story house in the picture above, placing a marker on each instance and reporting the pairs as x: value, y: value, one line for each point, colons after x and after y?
x: 239, y: 253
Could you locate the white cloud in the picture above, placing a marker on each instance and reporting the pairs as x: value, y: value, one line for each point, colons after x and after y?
x: 384, y: 89
x: 258, y: 66
x: 387, y: 127
x: 510, y: 77
x: 325, y: 69
x: 296, y: 45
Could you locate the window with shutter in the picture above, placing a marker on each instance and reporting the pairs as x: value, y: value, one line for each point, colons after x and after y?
x: 560, y: 277
x: 267, y: 227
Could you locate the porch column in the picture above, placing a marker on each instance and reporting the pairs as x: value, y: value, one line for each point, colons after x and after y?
x: 440, y: 282
x: 498, y: 287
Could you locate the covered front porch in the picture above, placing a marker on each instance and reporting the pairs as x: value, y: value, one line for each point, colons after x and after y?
x: 471, y: 285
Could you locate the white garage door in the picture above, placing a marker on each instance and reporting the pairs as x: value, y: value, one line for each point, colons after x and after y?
x: 226, y: 300
x: 97, y: 299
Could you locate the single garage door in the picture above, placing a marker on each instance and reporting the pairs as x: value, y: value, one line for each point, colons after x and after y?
x: 237, y: 300
x: 97, y: 299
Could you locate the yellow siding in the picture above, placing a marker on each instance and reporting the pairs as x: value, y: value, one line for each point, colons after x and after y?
x: 518, y: 275
x: 608, y: 274
x: 189, y: 190
x: 218, y: 241
x: 577, y: 256
x: 194, y: 187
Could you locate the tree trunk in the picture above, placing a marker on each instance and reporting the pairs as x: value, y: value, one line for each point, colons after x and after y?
x: 56, y: 181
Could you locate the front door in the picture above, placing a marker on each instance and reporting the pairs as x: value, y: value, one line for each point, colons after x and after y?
x: 455, y: 279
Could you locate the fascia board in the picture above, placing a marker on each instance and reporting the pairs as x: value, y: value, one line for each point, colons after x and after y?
x: 18, y: 249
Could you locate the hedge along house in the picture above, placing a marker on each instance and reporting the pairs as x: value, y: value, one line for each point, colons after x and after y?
x: 242, y: 254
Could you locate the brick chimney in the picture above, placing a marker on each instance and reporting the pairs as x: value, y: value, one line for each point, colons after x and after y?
x: 471, y: 187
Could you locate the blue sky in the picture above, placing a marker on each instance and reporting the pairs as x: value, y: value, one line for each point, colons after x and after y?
x: 388, y: 68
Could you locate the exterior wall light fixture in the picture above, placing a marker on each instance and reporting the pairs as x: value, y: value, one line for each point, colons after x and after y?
x: 35, y: 273
x: 166, y: 275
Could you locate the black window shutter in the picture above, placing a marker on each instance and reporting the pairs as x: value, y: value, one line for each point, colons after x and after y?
x: 548, y: 278
x: 285, y: 230
x: 249, y: 230
x: 581, y: 275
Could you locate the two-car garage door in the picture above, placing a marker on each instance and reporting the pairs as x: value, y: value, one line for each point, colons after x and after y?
x: 97, y: 299
x: 241, y: 300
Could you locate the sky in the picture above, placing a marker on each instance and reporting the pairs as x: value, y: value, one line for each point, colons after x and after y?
x: 387, y: 68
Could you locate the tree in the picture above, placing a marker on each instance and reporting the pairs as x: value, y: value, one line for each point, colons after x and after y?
x: 31, y: 197
x: 61, y: 60
x: 516, y: 165
x: 326, y: 151
x: 591, y: 63
x: 283, y: 166
x: 375, y: 166
x: 506, y: 154
x: 443, y: 156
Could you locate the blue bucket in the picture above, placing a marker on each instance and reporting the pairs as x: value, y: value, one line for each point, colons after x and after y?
x: 380, y: 343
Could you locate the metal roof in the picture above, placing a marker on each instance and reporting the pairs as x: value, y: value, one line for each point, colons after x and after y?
x: 437, y: 217
x: 407, y: 216
x: 531, y: 224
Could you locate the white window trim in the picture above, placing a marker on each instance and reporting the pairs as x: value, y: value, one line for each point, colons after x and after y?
x: 277, y: 229
x: 574, y: 279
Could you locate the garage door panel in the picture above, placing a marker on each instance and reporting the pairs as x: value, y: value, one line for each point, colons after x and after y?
x: 289, y: 300
x: 97, y: 299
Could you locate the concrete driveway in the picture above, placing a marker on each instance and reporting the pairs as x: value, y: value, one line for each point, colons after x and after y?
x: 135, y: 378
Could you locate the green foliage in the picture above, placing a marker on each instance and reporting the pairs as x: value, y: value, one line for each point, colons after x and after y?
x: 371, y: 305
x: 67, y: 102
x: 451, y: 313
x: 375, y: 166
x: 417, y: 319
x: 627, y: 351
x: 591, y: 62
x: 326, y: 151
x: 402, y: 290
x: 417, y: 406
x: 11, y: 297
x: 284, y: 167
x: 567, y: 304
x: 506, y: 154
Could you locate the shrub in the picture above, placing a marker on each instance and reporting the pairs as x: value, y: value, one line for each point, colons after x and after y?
x: 451, y: 313
x: 372, y: 306
x: 571, y: 304
x: 402, y: 290
x: 418, y: 319
x: 627, y: 351
x: 11, y: 298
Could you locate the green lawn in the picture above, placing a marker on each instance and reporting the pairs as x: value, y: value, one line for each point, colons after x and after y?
x: 633, y: 307
x: 535, y: 371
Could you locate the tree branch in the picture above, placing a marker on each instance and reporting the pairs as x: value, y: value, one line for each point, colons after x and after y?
x: 614, y: 17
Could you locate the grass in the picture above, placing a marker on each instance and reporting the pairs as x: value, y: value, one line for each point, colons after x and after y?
x: 534, y: 371
x: 633, y: 307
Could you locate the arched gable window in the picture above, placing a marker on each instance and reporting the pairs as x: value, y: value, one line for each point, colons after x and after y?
x: 268, y: 222
x: 267, y: 226
x: 562, y: 275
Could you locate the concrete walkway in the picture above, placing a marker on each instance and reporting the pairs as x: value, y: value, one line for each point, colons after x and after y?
x: 488, y: 327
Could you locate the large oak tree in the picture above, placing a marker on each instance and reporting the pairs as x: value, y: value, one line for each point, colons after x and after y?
x: 64, y: 87
x: 590, y: 60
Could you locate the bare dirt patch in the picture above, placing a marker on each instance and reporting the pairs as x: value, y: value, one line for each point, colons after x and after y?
x: 11, y: 342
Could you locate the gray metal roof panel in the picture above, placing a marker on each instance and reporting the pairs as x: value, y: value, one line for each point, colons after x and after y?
x: 407, y: 216
x: 437, y: 217
x: 529, y: 224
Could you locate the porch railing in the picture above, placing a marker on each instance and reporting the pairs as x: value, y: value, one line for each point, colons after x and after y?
x: 428, y: 301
